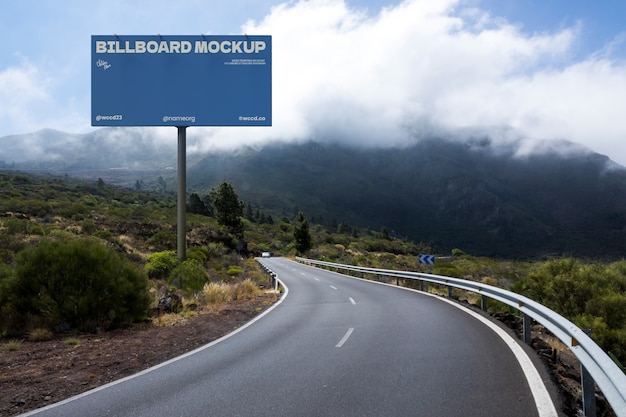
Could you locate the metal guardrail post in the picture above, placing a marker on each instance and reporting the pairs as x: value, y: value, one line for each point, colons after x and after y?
x: 526, y: 324
x: 589, y: 388
x: 449, y: 291
x: 483, y: 302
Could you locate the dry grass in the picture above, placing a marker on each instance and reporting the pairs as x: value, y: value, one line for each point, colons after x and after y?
x: 246, y: 290
x: 215, y: 294
x: 72, y: 341
x: 40, y: 335
x: 170, y: 319
x: 13, y: 345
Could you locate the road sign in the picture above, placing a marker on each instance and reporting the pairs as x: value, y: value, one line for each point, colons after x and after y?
x: 181, y: 81
x: 427, y: 259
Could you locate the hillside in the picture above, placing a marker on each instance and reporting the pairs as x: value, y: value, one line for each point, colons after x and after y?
x: 482, y: 198
x: 454, y: 195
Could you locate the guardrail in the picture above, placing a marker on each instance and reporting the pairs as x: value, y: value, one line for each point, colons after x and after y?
x: 596, y: 365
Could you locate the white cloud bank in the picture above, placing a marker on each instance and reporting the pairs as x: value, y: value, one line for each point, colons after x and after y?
x: 426, y: 67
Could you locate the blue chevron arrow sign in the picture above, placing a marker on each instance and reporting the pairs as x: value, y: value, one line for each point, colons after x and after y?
x: 427, y: 259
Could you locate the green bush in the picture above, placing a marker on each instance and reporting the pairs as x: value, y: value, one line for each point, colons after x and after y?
x: 198, y: 253
x: 160, y: 264
x: 234, y: 271
x: 590, y: 295
x: 7, y: 310
x: 163, y: 239
x: 81, y: 282
x: 189, y: 275
x: 216, y: 249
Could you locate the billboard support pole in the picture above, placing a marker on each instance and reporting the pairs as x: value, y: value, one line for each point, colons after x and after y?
x: 182, y: 193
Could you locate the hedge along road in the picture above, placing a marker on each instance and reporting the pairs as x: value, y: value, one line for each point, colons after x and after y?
x: 336, y: 346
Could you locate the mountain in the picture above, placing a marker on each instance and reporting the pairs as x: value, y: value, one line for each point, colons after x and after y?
x: 484, y: 198
x: 475, y: 196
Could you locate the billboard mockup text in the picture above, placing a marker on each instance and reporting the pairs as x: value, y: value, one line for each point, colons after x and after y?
x: 181, y: 81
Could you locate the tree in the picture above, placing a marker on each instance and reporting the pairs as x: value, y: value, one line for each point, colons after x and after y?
x: 249, y: 213
x: 196, y: 205
x: 301, y: 234
x: 162, y: 185
x: 228, y: 208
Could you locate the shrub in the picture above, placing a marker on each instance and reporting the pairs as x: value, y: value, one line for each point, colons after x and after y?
x: 81, y: 282
x: 198, y: 253
x: 163, y: 239
x: 190, y: 275
x: 161, y: 264
x: 234, y: 271
x: 216, y: 249
x: 88, y: 226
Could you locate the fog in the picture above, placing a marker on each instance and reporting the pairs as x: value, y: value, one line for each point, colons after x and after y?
x: 426, y: 68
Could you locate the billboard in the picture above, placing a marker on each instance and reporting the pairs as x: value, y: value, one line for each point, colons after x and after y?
x: 181, y: 80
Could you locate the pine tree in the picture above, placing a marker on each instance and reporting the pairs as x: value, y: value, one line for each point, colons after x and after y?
x: 301, y: 234
x: 196, y: 205
x: 228, y: 208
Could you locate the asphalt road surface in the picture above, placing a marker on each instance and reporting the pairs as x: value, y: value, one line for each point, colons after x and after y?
x: 334, y: 346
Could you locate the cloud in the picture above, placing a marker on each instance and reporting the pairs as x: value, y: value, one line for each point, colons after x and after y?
x: 30, y: 100
x: 21, y: 87
x: 424, y: 67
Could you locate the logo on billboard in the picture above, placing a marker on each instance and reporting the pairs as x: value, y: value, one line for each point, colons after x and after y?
x: 101, y: 63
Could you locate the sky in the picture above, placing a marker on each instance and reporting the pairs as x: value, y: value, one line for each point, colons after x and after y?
x: 369, y: 72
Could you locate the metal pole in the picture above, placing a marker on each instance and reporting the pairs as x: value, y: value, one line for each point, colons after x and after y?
x: 182, y: 193
x: 589, y: 388
x: 526, y: 324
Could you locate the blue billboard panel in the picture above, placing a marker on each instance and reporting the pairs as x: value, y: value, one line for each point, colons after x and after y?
x: 181, y: 80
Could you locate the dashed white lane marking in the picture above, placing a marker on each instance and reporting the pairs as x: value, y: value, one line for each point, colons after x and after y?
x: 333, y: 287
x: 345, y: 337
x: 352, y: 301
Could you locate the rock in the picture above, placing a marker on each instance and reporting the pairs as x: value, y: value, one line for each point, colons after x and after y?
x: 171, y: 303
x: 62, y: 327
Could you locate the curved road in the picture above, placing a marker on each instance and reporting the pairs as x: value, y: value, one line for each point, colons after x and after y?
x: 334, y: 346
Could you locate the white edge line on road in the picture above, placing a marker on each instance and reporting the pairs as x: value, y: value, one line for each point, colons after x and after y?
x: 543, y: 401
x: 145, y: 371
x: 345, y: 337
x: 545, y: 406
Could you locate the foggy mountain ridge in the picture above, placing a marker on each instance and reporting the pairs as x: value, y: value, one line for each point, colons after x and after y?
x: 501, y: 200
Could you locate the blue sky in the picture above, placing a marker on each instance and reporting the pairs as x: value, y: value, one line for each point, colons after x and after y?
x: 375, y: 72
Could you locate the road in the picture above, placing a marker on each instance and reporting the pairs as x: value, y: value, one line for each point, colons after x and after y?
x: 333, y: 346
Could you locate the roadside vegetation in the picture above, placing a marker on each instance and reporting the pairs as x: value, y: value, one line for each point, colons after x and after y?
x: 92, y: 257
